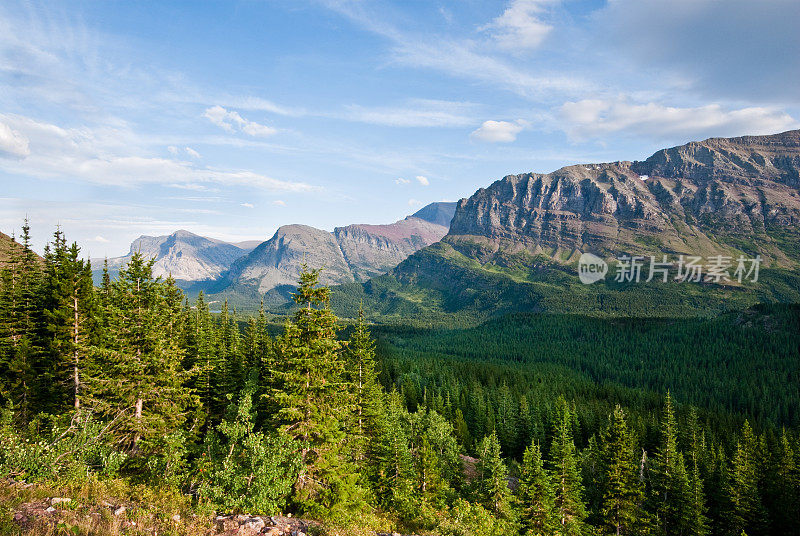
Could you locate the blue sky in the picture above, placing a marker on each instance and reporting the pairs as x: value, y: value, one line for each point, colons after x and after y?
x: 230, y: 119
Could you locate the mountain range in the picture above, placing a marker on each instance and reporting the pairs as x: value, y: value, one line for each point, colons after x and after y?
x: 514, y: 245
x: 247, y: 271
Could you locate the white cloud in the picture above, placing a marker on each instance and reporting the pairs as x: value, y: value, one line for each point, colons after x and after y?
x: 231, y: 121
x: 499, y: 131
x: 414, y: 203
x: 100, y: 239
x: 12, y: 143
x: 279, y: 203
x: 520, y: 26
x: 422, y: 180
x: 248, y: 205
x: 401, y: 180
x: 105, y: 156
x: 172, y: 149
x: 191, y: 152
x: 598, y: 117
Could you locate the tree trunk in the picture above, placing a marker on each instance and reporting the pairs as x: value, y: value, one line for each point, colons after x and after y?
x: 75, y: 331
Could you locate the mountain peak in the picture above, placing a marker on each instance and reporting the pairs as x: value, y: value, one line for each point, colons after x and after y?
x: 440, y: 213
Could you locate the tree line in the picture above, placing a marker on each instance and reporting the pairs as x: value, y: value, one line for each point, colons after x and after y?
x: 129, y: 380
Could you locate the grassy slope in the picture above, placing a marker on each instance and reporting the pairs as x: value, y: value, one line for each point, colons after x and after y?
x: 440, y: 286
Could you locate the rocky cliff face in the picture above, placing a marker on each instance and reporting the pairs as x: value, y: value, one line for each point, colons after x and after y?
x: 352, y: 253
x: 277, y: 261
x: 185, y: 256
x: 702, y: 197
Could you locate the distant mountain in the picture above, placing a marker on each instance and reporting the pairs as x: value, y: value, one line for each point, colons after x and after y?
x: 514, y: 245
x: 348, y: 254
x: 187, y: 257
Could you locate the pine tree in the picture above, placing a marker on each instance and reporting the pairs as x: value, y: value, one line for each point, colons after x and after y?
x: 392, y: 466
x: 362, y: 376
x: 536, y: 497
x: 492, y: 475
x: 566, y: 474
x: 786, y: 488
x: 20, y: 292
x: 747, y: 512
x: 311, y: 397
x: 69, y: 311
x: 697, y: 520
x: 666, y: 486
x: 621, y: 510
x: 139, y: 378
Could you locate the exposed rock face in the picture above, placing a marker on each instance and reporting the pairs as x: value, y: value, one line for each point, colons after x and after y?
x: 184, y: 255
x: 697, y: 198
x: 375, y: 249
x: 277, y: 261
x: 351, y: 253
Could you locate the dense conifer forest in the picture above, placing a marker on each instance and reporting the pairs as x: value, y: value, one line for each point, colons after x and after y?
x: 528, y: 424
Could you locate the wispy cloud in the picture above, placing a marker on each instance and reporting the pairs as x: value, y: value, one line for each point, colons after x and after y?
x: 598, y: 117
x: 459, y: 57
x: 12, y: 143
x: 248, y: 205
x: 499, y: 131
x: 521, y: 27
x: 423, y: 180
x: 231, y: 121
x: 417, y: 113
x: 101, y: 156
x: 401, y: 180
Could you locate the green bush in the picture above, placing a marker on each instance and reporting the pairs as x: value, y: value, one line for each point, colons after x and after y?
x: 247, y: 471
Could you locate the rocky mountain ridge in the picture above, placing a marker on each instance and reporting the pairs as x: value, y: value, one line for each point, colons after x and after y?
x: 187, y: 257
x: 514, y: 245
x: 351, y: 253
x: 699, y: 198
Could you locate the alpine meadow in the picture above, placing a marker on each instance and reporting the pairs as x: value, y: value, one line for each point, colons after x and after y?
x: 565, y: 317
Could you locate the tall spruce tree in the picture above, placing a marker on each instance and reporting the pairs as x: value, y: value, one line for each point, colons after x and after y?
x: 312, y: 398
x: 492, y: 475
x: 535, y: 496
x: 566, y: 474
x: 138, y: 376
x: 746, y: 512
x: 69, y: 315
x: 666, y: 486
x: 362, y: 376
x: 621, y: 511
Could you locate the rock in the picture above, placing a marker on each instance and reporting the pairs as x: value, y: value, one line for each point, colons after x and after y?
x: 272, y: 531
x: 119, y: 511
x: 19, y: 517
x: 59, y: 500
x: 715, y: 188
x: 50, y: 510
x: 252, y: 523
x: 176, y: 518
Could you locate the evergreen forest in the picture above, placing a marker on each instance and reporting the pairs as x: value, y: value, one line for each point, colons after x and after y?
x: 531, y: 424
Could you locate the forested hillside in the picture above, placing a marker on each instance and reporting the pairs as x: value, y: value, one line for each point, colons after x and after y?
x: 529, y: 424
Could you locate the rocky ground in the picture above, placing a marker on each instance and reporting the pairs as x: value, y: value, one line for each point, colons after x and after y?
x: 26, y: 512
